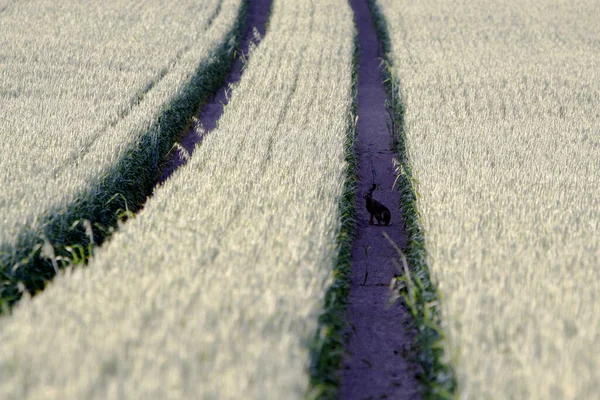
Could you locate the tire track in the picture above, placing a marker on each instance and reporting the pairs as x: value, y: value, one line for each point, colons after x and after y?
x: 379, y: 337
x: 206, y: 121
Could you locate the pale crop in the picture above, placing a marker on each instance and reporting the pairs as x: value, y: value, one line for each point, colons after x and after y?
x: 502, y: 129
x: 214, y: 290
x: 80, y: 84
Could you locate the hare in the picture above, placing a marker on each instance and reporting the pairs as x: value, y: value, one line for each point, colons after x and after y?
x: 376, y: 209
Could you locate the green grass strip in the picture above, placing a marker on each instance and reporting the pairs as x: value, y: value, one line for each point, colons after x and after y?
x: 437, y: 377
x: 68, y: 236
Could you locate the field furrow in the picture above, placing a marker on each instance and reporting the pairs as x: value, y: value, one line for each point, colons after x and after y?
x: 379, y: 357
x: 92, y: 97
x: 214, y: 290
x: 500, y: 104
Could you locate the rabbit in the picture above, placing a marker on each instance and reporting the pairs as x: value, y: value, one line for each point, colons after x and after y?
x: 376, y: 209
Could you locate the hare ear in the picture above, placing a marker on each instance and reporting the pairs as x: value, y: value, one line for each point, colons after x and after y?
x: 373, y: 187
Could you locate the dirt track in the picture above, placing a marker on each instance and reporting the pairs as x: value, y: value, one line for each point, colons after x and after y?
x: 379, y: 338
x: 258, y: 14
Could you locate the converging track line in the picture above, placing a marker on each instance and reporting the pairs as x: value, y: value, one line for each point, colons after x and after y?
x: 379, y: 337
x: 258, y: 15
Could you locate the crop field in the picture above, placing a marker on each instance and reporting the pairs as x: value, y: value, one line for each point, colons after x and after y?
x: 92, y: 95
x: 501, y: 108
x: 214, y: 289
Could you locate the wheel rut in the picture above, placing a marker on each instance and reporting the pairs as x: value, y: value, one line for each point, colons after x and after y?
x: 206, y: 120
x: 379, y: 336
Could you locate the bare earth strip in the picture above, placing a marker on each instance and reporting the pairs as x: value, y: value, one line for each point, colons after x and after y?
x: 379, y: 336
x: 258, y: 15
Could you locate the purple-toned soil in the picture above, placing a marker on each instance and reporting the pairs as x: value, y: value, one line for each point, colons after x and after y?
x: 258, y: 14
x: 379, y: 337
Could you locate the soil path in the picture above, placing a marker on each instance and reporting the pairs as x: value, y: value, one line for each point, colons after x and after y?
x: 379, y: 338
x: 258, y: 15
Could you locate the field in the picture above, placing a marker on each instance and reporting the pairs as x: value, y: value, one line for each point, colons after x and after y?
x: 92, y: 97
x: 214, y: 290
x: 500, y: 107
x: 228, y: 281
